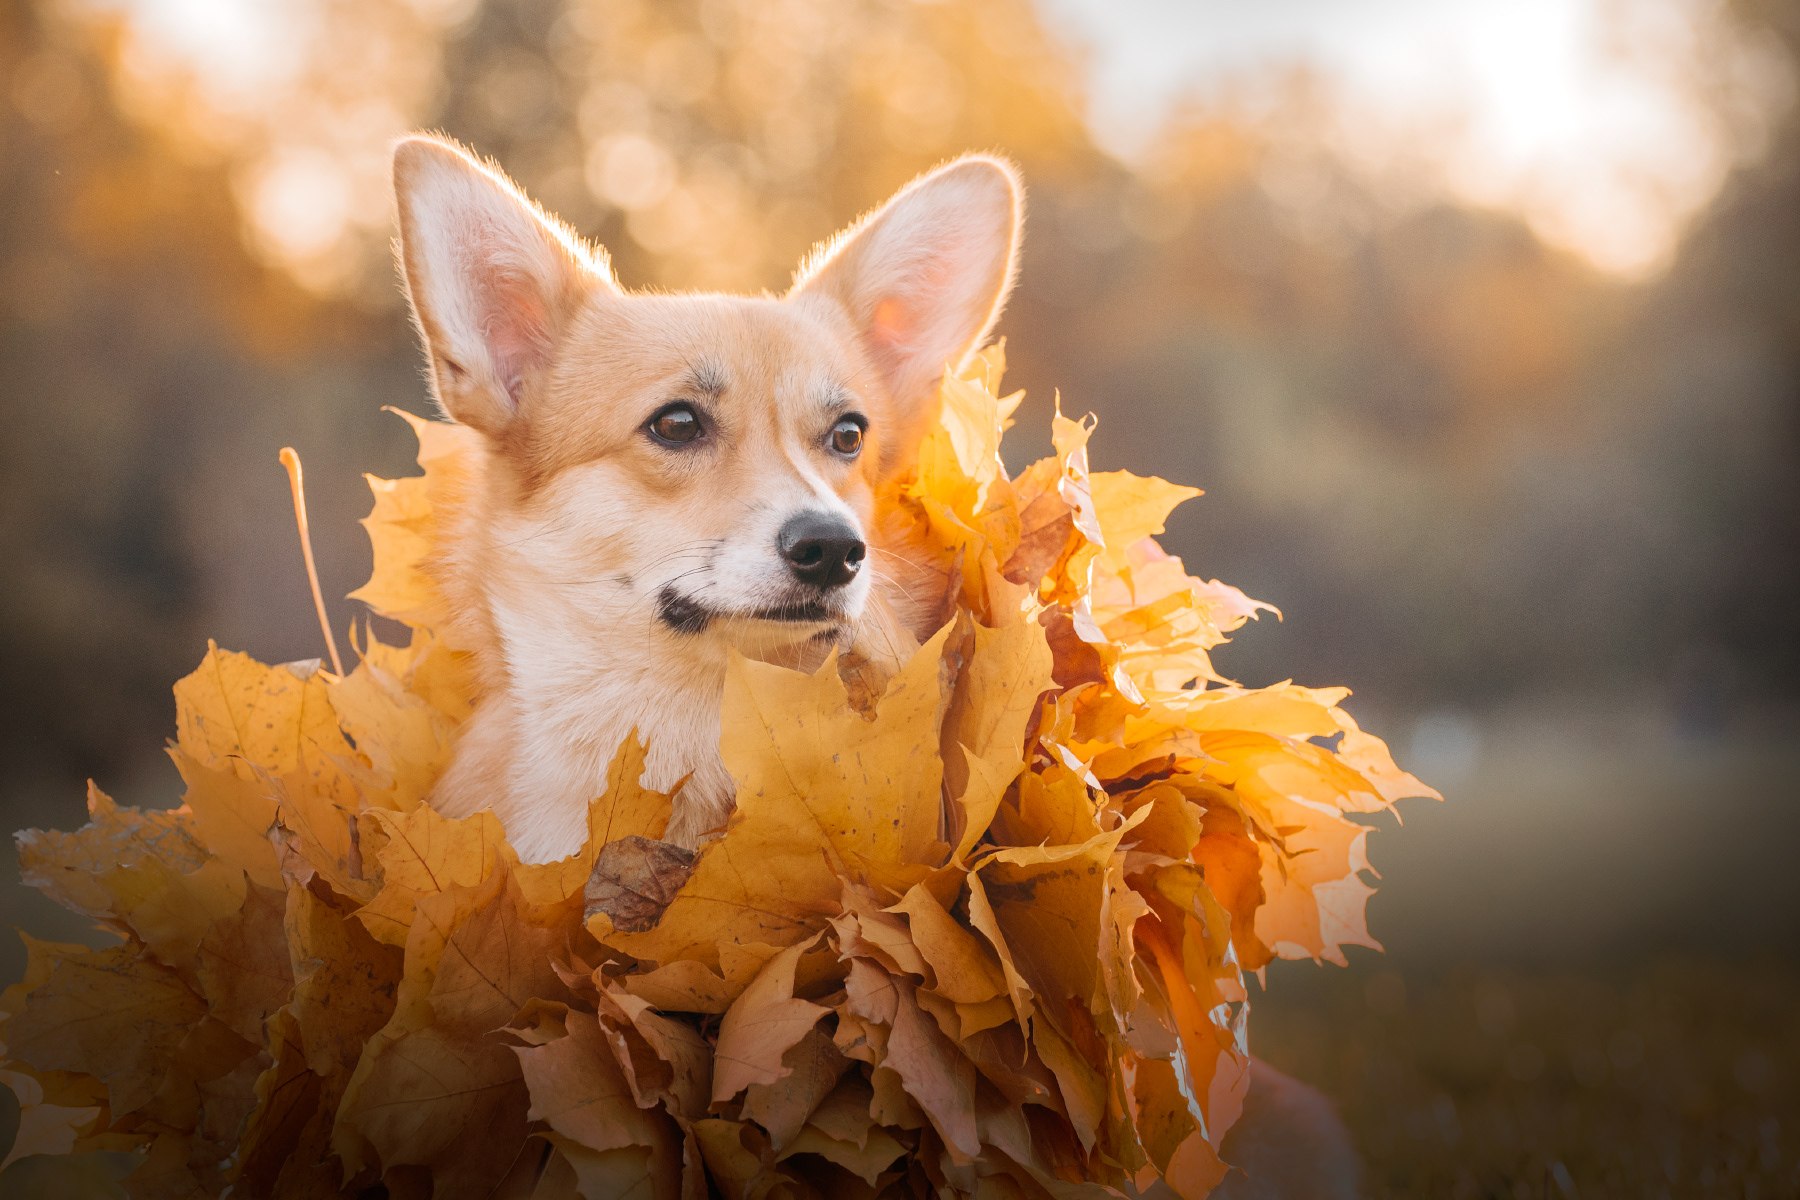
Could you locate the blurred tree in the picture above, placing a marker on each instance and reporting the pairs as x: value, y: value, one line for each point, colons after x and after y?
x: 1705, y: 390
x: 709, y: 143
x: 131, y: 322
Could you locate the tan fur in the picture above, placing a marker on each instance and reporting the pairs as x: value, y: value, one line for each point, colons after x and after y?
x: 580, y: 520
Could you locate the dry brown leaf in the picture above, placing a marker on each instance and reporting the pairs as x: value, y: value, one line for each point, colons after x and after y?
x: 109, y: 1014
x: 431, y: 1098
x: 579, y: 1090
x: 242, y: 963
x: 964, y: 970
x: 288, y: 1098
x: 935, y: 1073
x: 761, y: 1026
x: 345, y: 983
x: 635, y: 879
x: 667, y: 1061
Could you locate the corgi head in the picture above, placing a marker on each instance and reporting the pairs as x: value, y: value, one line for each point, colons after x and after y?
x: 703, y: 465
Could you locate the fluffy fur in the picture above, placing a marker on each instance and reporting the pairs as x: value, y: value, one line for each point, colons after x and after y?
x: 563, y: 561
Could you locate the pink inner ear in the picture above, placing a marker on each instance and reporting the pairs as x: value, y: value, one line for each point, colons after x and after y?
x: 918, y: 312
x: 891, y: 326
x: 515, y: 328
x: 889, y: 335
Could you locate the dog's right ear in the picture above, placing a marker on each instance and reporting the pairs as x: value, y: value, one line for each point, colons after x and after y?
x: 492, y: 279
x: 923, y: 279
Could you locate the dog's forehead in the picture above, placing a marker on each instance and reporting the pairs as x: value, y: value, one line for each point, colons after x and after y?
x: 740, y: 346
x: 764, y: 365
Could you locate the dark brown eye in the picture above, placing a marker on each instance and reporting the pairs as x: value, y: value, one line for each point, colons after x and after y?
x: 847, y: 436
x: 676, y: 425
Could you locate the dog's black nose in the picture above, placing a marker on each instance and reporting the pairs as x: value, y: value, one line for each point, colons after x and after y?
x: 821, y: 549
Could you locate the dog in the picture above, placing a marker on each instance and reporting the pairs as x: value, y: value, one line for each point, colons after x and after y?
x: 666, y: 477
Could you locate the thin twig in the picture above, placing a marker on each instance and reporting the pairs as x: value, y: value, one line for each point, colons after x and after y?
x: 296, y: 484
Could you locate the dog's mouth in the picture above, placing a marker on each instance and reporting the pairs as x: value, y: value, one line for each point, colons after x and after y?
x: 684, y: 614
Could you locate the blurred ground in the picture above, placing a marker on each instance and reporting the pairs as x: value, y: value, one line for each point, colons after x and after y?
x: 1591, y: 988
x: 1677, y: 1077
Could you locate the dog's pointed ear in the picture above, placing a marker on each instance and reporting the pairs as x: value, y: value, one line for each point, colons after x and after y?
x: 923, y: 279
x: 492, y: 279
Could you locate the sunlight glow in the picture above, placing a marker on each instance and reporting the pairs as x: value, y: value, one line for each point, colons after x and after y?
x: 1606, y: 124
x: 299, y: 202
x: 243, y: 50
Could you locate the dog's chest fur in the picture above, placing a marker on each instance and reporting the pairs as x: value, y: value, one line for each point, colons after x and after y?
x: 567, y: 675
x: 538, y: 756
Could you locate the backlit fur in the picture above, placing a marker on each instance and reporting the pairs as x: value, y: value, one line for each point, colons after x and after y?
x: 599, y: 575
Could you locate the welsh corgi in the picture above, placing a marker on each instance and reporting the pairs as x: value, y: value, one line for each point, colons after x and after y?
x: 667, y: 476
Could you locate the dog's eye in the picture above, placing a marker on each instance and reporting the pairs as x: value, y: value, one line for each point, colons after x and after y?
x: 675, y: 425
x: 847, y: 436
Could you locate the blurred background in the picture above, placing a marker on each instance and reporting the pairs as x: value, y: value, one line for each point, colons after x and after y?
x: 1479, y: 320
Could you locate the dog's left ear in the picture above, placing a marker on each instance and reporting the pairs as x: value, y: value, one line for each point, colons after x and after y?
x: 493, y: 280
x: 923, y: 279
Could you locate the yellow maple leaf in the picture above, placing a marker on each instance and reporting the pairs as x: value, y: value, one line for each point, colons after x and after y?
x: 234, y: 711
x: 404, y: 524
x: 823, y: 796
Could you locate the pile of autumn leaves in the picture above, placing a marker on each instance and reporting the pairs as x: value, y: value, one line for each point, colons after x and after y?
x: 981, y: 927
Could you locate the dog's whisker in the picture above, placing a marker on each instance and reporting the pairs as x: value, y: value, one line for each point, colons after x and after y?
x: 617, y: 577
x: 707, y: 547
x: 558, y: 525
x: 886, y: 552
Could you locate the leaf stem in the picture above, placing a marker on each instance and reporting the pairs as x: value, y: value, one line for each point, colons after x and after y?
x: 297, y: 485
